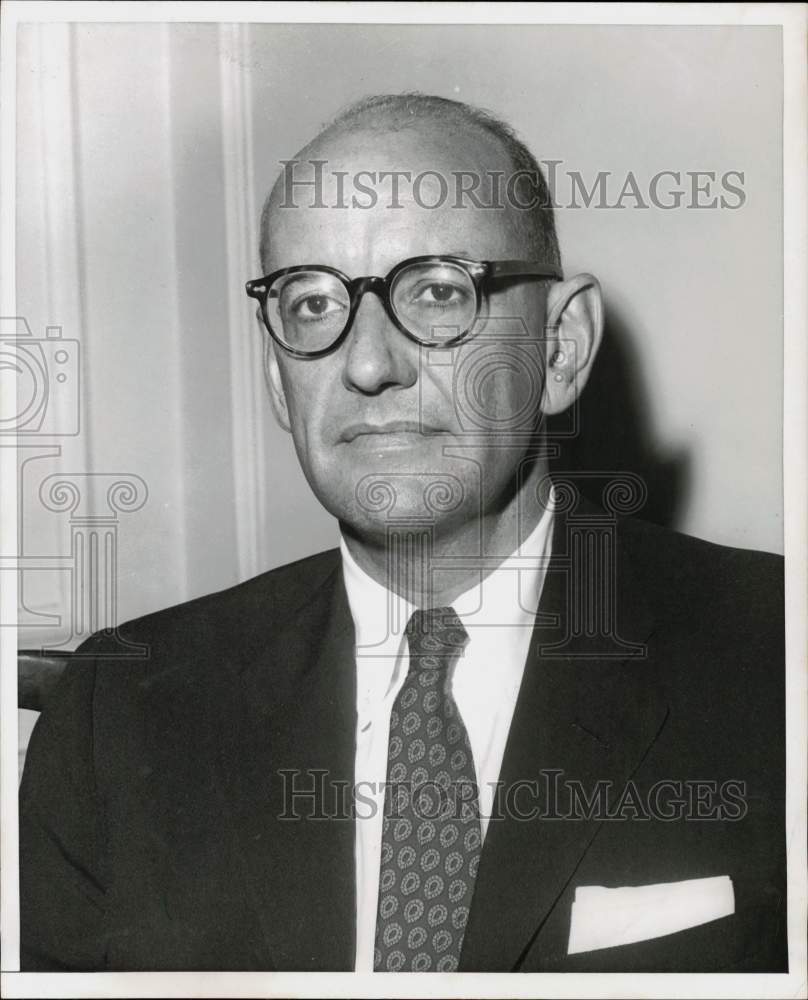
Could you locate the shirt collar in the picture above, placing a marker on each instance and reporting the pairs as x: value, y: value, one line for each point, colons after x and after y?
x: 380, y: 616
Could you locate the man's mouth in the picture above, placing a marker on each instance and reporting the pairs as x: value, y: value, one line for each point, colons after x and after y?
x: 390, y: 431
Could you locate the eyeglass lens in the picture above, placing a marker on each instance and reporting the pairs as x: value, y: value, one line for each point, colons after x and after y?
x: 434, y: 301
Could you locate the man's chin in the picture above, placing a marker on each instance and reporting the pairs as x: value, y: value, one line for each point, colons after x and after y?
x: 397, y: 491
x: 395, y: 498
x: 409, y: 481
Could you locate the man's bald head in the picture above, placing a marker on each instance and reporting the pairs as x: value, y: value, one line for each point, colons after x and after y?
x: 395, y: 113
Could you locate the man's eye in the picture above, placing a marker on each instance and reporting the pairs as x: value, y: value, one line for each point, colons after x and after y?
x: 441, y: 293
x: 315, y: 304
x: 436, y: 293
x: 313, y: 307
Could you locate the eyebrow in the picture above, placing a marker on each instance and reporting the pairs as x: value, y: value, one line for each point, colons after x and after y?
x: 294, y: 279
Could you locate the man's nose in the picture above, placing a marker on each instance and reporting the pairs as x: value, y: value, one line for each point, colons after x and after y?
x: 379, y: 356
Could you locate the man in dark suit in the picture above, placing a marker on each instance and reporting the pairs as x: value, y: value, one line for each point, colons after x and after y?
x: 500, y: 728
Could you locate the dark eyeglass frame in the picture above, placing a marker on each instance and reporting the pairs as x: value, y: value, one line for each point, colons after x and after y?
x: 479, y: 271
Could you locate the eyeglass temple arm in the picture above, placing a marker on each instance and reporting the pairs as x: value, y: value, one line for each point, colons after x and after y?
x: 514, y: 268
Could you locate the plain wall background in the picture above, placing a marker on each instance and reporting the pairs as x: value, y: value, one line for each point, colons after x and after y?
x: 144, y: 152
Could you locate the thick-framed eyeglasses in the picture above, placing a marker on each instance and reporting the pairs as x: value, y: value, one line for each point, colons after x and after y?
x: 434, y: 300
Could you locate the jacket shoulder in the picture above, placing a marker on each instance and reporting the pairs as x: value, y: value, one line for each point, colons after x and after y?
x: 179, y: 651
x: 273, y: 596
x: 698, y: 578
x: 209, y: 636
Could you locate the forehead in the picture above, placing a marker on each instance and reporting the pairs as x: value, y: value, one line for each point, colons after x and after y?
x: 361, y: 200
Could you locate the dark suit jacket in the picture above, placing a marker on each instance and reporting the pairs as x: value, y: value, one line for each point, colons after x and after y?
x: 150, y: 802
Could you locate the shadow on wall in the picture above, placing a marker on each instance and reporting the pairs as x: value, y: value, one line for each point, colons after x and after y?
x: 615, y: 433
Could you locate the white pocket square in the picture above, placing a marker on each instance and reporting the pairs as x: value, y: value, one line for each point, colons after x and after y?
x: 603, y: 918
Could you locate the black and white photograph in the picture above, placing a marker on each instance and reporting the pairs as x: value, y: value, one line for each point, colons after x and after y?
x: 404, y: 500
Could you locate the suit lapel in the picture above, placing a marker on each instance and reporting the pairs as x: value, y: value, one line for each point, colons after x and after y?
x: 580, y: 716
x: 291, y: 754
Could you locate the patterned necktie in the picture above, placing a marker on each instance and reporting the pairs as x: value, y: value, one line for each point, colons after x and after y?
x: 431, y: 835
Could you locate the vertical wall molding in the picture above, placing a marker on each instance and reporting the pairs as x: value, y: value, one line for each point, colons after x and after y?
x: 173, y: 293
x: 247, y: 381
x: 59, y: 170
x: 56, y: 165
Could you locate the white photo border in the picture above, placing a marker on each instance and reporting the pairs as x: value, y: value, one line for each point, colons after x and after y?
x: 793, y: 18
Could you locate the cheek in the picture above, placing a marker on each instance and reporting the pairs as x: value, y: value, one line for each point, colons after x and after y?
x: 305, y: 389
x: 497, y: 387
x: 509, y: 391
x: 498, y: 377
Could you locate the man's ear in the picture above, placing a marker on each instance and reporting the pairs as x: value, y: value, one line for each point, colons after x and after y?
x: 272, y: 373
x: 573, y: 332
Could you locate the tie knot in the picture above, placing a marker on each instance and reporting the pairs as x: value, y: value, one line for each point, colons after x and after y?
x: 435, y: 635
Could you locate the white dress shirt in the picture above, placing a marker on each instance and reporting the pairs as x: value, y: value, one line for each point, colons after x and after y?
x: 498, y: 614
